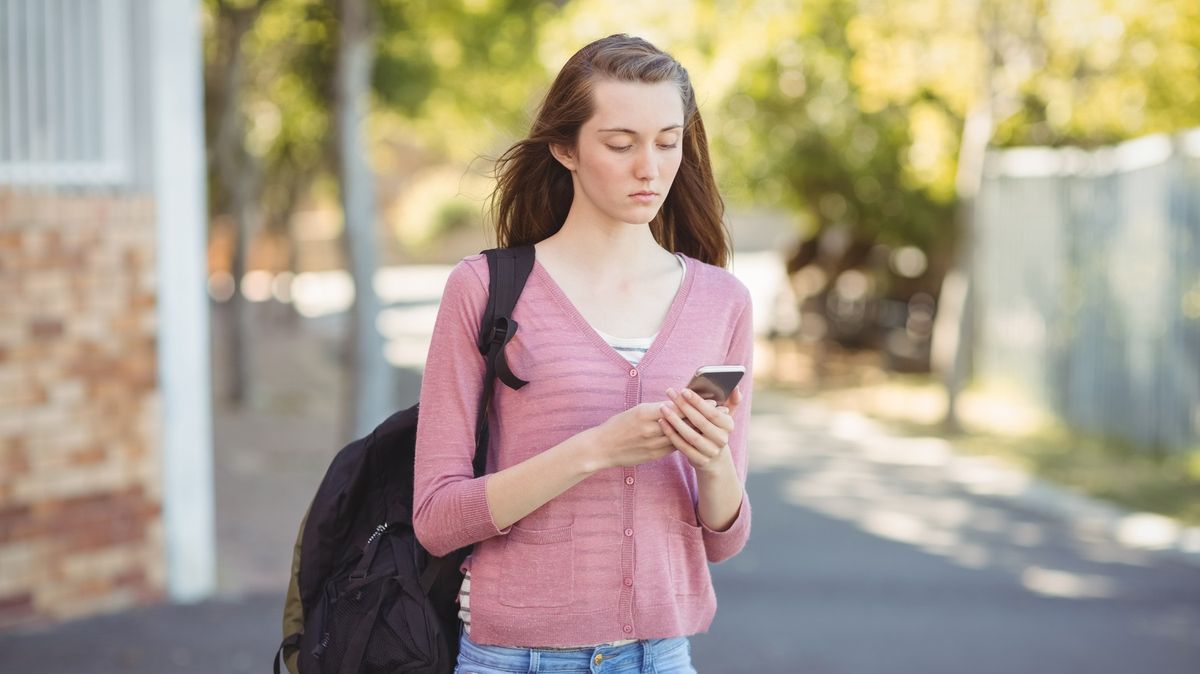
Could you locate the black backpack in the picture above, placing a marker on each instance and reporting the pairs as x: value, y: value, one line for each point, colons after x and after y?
x: 365, y: 597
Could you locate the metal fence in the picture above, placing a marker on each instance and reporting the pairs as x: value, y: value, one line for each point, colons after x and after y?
x: 1087, y: 278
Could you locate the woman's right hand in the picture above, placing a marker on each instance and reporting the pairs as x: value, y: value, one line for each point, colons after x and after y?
x: 632, y: 437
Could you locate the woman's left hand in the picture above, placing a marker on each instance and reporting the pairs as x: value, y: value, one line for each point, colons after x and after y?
x: 699, y: 428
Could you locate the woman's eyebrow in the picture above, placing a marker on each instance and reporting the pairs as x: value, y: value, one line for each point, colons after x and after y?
x: 634, y: 133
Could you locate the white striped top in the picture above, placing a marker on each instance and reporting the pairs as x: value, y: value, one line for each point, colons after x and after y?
x: 632, y: 348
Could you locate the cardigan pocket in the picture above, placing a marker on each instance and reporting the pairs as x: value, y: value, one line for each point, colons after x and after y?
x: 685, y: 552
x: 538, y: 567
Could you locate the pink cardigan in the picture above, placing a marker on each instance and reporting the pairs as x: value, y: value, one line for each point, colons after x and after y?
x: 622, y: 554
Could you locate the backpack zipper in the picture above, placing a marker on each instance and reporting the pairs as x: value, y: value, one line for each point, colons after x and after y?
x: 320, y: 649
x: 378, y: 530
x: 369, y: 550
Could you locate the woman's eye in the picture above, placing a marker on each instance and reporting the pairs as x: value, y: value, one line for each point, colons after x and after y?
x: 623, y: 148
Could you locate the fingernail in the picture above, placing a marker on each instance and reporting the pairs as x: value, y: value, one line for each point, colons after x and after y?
x: 671, y: 392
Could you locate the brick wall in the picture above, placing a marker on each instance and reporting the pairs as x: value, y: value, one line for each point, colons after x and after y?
x: 80, y: 485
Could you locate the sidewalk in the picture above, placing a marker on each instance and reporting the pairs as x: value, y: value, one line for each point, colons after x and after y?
x: 216, y: 636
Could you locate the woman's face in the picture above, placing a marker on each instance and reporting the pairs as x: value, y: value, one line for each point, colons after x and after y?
x: 628, y: 153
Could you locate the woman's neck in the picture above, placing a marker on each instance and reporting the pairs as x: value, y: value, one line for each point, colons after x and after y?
x: 606, y: 250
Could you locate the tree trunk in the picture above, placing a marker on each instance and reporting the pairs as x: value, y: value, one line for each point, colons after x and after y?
x: 954, y: 325
x: 239, y: 176
x: 237, y: 309
x: 279, y: 224
x: 369, y: 388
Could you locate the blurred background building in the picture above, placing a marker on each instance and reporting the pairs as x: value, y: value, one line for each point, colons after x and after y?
x: 105, y: 449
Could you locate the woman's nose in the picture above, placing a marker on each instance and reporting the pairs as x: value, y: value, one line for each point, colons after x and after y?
x: 646, y: 165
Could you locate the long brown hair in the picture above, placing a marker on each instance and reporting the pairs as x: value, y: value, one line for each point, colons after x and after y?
x: 534, y: 191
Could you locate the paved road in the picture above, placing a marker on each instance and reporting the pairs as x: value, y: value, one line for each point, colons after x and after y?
x: 869, y: 553
x: 875, y: 554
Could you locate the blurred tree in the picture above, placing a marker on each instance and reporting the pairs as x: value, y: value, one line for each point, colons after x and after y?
x: 439, y: 69
x: 856, y: 114
x: 873, y: 117
x: 234, y: 174
x: 369, y: 398
x: 459, y: 75
x: 1100, y: 71
x: 292, y: 49
x: 853, y: 119
x: 849, y: 112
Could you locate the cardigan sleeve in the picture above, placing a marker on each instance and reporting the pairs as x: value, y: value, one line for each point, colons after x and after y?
x: 450, y: 506
x: 721, y: 545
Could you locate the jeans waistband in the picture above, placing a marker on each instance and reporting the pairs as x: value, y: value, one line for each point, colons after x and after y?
x: 638, y: 656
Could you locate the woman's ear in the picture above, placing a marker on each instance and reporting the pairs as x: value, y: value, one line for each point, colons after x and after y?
x: 564, y: 155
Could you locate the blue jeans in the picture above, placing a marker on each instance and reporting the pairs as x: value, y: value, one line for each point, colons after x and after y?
x: 650, y: 656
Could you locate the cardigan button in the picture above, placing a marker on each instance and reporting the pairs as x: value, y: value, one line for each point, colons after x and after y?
x: 629, y: 532
x: 633, y: 372
x: 629, y: 480
x: 628, y: 628
x: 628, y: 582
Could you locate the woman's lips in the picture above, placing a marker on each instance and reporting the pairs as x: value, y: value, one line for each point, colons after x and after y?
x: 644, y: 197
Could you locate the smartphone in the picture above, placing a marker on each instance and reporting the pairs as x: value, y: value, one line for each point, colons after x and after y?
x: 716, y: 382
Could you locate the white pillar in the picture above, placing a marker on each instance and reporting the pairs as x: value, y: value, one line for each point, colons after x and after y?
x: 176, y: 100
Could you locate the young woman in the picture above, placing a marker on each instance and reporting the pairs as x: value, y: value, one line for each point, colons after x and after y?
x: 609, y: 487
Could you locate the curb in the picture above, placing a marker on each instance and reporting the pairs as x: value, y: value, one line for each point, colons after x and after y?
x: 1141, y: 531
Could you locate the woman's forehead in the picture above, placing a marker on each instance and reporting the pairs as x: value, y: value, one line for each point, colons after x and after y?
x: 636, y: 107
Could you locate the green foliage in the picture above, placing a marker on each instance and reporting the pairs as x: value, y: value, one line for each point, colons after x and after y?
x: 447, y: 72
x: 292, y: 50
x: 848, y: 111
x: 460, y: 73
x: 855, y: 116
x: 817, y: 128
x: 455, y: 215
x: 1105, y: 71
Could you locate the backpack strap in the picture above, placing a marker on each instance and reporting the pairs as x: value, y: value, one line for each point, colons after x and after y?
x: 508, y: 269
x: 290, y: 641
